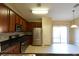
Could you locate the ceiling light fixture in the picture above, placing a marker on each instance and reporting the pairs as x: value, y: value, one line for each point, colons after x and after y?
x: 73, y: 25
x: 39, y: 10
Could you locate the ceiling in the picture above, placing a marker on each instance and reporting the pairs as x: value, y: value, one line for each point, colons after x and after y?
x: 58, y: 11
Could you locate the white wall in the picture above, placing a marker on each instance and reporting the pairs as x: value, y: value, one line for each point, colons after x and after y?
x: 61, y: 23
x: 71, y: 39
x: 76, y: 32
x: 46, y: 30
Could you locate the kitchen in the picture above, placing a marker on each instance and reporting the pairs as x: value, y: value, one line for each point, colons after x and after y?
x: 24, y: 32
x: 15, y: 32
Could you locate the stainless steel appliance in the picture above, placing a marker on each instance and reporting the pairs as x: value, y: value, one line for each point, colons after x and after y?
x: 37, y: 36
x: 18, y: 28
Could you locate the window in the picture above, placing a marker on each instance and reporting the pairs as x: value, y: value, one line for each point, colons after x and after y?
x: 59, y: 34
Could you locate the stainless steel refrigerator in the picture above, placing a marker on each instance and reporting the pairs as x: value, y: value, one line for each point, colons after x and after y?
x: 37, y: 36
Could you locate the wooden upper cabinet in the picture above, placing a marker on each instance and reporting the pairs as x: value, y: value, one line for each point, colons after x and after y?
x: 37, y: 24
x: 12, y: 22
x: 4, y: 19
x: 24, y: 25
x: 29, y: 26
x: 17, y: 19
x: 21, y: 21
x: 32, y: 25
x: 9, y: 19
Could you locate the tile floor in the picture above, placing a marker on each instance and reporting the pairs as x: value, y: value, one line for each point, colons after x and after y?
x: 55, y: 49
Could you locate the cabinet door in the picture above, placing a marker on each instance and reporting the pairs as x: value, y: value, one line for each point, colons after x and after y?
x: 17, y: 19
x: 21, y: 21
x: 4, y: 19
x: 16, y: 48
x: 24, y: 25
x: 12, y: 22
x: 29, y: 27
x: 13, y: 49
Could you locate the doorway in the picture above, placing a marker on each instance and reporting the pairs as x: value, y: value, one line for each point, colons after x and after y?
x: 59, y: 34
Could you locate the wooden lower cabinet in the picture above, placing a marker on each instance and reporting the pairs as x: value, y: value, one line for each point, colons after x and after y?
x: 26, y: 42
x: 28, y: 39
x: 13, y: 49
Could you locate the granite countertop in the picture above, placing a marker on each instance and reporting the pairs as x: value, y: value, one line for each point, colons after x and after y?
x: 3, y: 40
x: 5, y: 37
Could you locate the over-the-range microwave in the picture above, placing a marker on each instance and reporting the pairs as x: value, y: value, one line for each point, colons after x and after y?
x: 18, y: 28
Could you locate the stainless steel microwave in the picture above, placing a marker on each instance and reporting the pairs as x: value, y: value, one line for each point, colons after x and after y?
x: 18, y: 28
